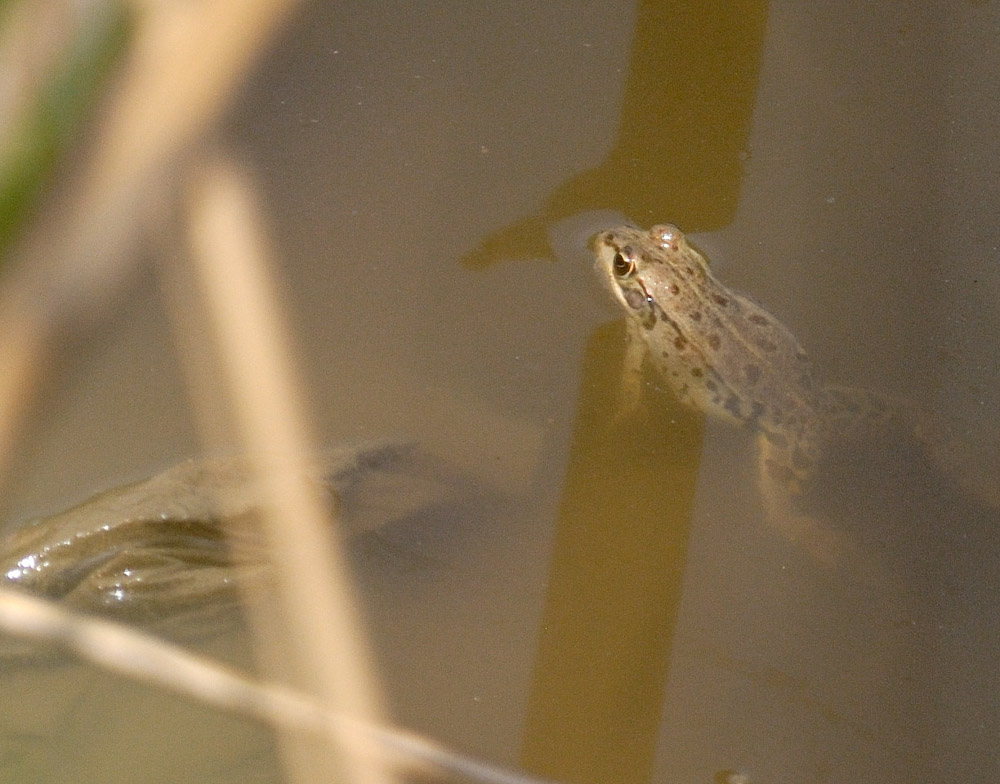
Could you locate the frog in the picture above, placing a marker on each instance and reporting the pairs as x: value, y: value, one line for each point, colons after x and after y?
x: 725, y: 355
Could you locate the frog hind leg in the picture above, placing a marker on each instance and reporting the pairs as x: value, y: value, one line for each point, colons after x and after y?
x: 859, y: 412
x: 975, y: 471
x: 783, y: 473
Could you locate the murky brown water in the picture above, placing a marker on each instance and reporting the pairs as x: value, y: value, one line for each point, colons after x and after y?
x: 626, y: 612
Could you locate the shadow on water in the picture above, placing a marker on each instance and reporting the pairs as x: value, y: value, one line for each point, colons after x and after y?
x: 595, y: 707
x: 685, y: 122
x: 615, y: 581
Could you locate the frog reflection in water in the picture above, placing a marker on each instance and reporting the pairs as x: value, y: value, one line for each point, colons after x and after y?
x: 725, y: 355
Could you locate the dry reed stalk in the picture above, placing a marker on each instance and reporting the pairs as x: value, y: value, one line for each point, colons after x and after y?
x: 184, y: 63
x: 183, y: 66
x: 150, y: 660
x: 314, y: 589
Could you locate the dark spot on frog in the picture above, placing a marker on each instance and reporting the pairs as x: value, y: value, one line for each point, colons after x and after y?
x: 711, y: 386
x: 752, y: 373
x: 635, y: 298
x: 714, y: 342
x: 733, y: 406
x: 674, y: 289
x: 680, y: 342
x: 759, y: 320
x: 780, y: 472
x: 697, y: 372
x: 768, y: 346
x: 877, y: 409
x: 777, y: 439
x: 696, y: 315
x: 720, y: 300
x: 850, y: 406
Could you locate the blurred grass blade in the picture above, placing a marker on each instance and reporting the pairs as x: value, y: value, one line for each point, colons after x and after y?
x: 46, y: 123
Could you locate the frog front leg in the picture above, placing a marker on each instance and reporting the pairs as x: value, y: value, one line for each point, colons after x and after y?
x: 632, y: 374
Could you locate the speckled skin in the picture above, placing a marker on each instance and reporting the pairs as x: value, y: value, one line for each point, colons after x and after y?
x: 721, y: 352
x: 725, y: 355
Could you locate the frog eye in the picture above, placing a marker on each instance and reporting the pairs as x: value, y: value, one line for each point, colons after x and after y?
x: 622, y: 266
